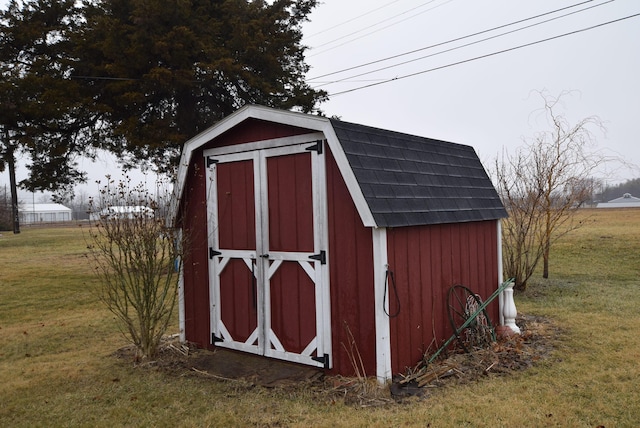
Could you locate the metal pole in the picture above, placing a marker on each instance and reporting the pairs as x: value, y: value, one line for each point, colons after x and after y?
x: 14, y: 189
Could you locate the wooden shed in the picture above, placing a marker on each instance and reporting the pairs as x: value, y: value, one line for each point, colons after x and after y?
x: 309, y: 236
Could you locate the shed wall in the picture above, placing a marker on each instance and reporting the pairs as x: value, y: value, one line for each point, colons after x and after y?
x: 351, y: 281
x: 427, y: 261
x: 255, y: 130
x: 195, y: 266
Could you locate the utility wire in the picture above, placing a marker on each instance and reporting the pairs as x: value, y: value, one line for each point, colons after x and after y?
x: 448, y: 41
x: 484, y: 56
x: 350, y: 20
x: 374, y: 25
x: 464, y: 45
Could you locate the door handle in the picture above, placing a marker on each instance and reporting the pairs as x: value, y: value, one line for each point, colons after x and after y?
x: 264, y: 256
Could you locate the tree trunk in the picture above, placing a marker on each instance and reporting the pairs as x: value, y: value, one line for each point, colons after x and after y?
x: 545, y: 259
x: 10, y: 158
x: 547, y: 237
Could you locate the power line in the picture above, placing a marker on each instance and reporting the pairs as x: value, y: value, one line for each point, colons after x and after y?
x: 484, y: 56
x: 374, y: 25
x: 464, y: 45
x: 351, y: 20
x: 449, y: 41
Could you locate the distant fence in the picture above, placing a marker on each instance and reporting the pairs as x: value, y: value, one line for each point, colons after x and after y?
x: 44, y: 224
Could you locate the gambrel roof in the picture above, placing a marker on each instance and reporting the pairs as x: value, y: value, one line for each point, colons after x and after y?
x: 395, y: 179
x: 410, y: 180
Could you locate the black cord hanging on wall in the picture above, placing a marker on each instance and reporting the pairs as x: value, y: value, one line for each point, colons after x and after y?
x: 389, y: 274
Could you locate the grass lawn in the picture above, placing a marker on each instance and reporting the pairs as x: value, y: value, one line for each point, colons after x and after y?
x: 57, y: 344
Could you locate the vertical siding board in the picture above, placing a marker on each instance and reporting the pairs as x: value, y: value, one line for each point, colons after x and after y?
x: 476, y: 258
x: 489, y: 258
x: 238, y: 300
x: 414, y: 289
x: 466, y: 239
x: 351, y: 276
x: 236, y: 214
x: 290, y: 203
x: 365, y: 292
x: 403, y: 322
x: 446, y: 280
x: 437, y: 296
x: 426, y: 288
x: 293, y: 314
x: 196, y: 272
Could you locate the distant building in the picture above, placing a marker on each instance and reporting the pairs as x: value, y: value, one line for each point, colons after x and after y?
x: 626, y: 201
x: 122, y: 212
x: 43, y: 213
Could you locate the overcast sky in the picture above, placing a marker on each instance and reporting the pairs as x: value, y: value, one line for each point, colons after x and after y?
x: 483, y: 94
x: 489, y: 103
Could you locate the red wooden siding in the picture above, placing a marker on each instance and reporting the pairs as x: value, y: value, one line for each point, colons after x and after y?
x: 351, y: 265
x: 290, y: 203
x: 254, y: 130
x: 195, y: 266
x: 427, y: 261
x: 236, y: 206
x: 293, y: 307
x: 238, y: 300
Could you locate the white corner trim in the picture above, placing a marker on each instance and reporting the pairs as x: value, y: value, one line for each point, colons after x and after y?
x: 500, y: 267
x: 382, y: 322
x: 181, y: 309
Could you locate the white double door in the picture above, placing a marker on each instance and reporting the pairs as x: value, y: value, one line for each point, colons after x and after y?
x: 268, y: 251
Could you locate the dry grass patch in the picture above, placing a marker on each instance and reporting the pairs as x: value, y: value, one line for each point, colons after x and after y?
x: 73, y: 378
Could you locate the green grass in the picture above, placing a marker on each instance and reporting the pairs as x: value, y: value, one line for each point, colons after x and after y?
x: 57, y: 341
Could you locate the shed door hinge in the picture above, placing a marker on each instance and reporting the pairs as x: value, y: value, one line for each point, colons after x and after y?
x: 317, y: 147
x: 215, y: 339
x: 321, y: 257
x: 324, y: 360
x: 211, y: 161
x: 213, y: 253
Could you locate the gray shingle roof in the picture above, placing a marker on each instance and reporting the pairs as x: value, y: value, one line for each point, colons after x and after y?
x: 409, y: 180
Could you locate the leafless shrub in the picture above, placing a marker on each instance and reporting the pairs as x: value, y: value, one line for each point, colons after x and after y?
x: 542, y: 185
x: 136, y: 257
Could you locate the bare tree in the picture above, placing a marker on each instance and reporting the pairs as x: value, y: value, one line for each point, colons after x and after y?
x: 136, y: 257
x: 542, y: 185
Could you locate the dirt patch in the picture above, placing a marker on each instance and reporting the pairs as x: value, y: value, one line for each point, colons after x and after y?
x: 224, y: 365
x: 508, y: 355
